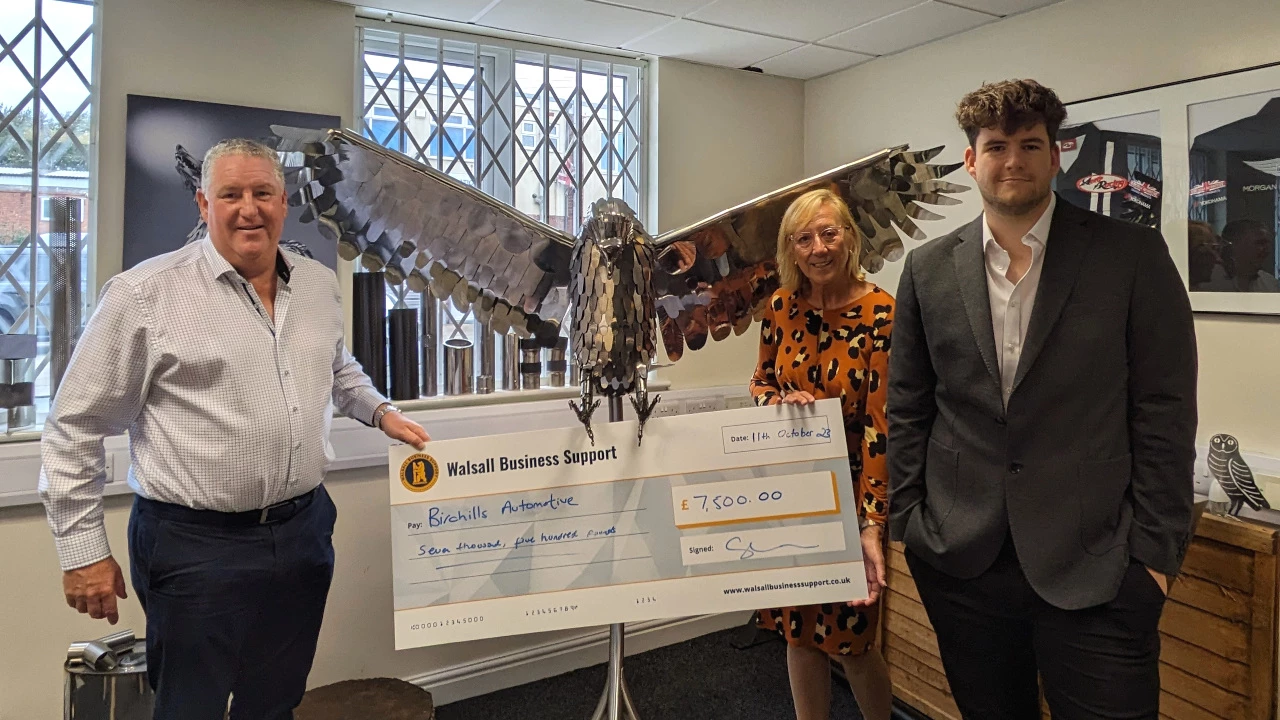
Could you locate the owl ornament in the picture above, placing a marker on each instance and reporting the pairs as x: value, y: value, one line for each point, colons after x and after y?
x: 1232, y: 486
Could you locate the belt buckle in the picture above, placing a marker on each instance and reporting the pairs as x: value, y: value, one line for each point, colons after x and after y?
x: 265, y: 517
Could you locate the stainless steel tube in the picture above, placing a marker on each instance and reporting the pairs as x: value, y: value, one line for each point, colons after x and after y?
x: 430, y: 312
x: 556, y: 365
x: 510, y: 362
x: 20, y: 375
x: 402, y: 331
x: 530, y: 364
x: 458, y: 369
x: 488, y: 358
x: 64, y: 277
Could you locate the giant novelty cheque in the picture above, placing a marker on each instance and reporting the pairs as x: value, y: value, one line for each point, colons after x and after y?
x: 715, y: 512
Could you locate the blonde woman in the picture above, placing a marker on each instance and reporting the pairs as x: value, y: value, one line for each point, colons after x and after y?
x: 825, y: 334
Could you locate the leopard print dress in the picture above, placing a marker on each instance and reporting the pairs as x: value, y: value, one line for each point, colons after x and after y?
x: 844, y: 353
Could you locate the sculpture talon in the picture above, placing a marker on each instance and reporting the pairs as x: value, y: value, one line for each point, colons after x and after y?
x: 584, y: 413
x: 643, y: 412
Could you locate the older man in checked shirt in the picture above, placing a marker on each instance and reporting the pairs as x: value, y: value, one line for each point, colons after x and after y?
x: 223, y: 361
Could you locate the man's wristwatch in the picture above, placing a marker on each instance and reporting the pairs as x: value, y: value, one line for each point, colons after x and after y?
x: 382, y: 412
x: 865, y: 522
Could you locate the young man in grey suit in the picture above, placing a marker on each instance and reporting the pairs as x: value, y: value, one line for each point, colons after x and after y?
x: 1042, y: 421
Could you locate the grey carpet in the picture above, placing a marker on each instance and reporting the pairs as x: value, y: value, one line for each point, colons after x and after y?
x: 706, y: 678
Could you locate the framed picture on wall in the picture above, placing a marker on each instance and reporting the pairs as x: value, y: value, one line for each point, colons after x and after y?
x: 165, y: 137
x: 1113, y: 166
x: 1232, y: 209
x: 1215, y: 198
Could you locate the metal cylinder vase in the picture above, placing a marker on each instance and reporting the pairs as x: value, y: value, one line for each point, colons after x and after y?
x: 530, y: 364
x: 556, y: 365
x: 402, y: 327
x: 458, y: 370
x: 430, y: 345
x: 369, y: 326
x: 510, y: 362
x: 65, y: 276
x: 486, y: 378
x: 17, y: 381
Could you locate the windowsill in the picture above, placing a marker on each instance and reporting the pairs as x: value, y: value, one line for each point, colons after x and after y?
x: 439, y: 402
x: 498, y: 397
x: 356, y: 446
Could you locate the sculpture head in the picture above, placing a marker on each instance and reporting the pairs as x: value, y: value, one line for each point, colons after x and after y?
x: 612, y: 227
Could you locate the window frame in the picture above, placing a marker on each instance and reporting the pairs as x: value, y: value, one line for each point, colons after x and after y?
x: 501, y: 127
x: 55, y: 51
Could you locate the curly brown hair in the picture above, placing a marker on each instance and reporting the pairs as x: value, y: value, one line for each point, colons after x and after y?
x: 1010, y: 105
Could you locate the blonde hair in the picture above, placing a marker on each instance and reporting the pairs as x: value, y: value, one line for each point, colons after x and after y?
x: 801, y: 212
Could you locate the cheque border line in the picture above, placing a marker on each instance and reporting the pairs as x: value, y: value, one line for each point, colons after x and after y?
x: 460, y: 498
x: 633, y: 582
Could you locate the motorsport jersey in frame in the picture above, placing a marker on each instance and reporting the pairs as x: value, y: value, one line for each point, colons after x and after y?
x: 1113, y: 167
x: 1232, y: 208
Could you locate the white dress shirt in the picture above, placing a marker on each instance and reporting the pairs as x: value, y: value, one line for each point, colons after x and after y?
x: 1011, y: 303
x: 225, y: 409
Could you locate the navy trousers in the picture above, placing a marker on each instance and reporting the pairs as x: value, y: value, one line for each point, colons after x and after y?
x: 997, y: 637
x: 233, y: 604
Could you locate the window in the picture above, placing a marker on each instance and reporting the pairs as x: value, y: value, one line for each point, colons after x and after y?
x: 380, y: 126
x: 46, y: 104
x: 461, y: 138
x: 545, y: 130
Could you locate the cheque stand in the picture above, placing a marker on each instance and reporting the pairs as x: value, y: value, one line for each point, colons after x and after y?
x: 616, y: 699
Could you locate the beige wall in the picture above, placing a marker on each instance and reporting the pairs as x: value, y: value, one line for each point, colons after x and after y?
x: 728, y: 136
x: 725, y: 137
x: 1083, y: 49
x: 286, y: 54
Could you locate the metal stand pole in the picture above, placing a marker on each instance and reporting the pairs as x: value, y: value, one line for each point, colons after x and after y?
x: 616, y: 700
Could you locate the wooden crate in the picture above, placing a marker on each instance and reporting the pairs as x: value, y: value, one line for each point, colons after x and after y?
x: 1218, y: 631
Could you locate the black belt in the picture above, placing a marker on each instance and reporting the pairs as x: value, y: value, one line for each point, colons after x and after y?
x: 269, y: 515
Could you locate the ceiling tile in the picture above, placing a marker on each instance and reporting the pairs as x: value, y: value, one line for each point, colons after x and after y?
x: 808, y: 21
x: 666, y: 7
x: 573, y: 20
x: 909, y: 28
x: 810, y: 61
x: 1003, y: 7
x: 709, y: 44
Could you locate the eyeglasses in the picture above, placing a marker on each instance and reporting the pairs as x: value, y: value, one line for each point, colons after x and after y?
x: 829, y: 236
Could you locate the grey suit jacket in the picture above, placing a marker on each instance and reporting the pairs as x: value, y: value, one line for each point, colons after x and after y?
x: 1092, y: 462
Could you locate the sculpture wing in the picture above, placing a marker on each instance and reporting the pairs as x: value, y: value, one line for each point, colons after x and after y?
x: 714, y: 276
x: 429, y: 230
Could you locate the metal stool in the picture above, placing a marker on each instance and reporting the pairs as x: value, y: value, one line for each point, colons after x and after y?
x: 106, y: 679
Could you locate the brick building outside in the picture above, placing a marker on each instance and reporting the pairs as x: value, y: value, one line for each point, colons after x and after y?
x: 15, y: 200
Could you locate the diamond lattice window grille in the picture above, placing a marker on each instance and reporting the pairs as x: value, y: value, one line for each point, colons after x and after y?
x: 545, y: 130
x: 46, y: 106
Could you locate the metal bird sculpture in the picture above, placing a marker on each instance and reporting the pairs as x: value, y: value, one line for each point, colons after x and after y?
x: 1235, y: 477
x: 432, y: 232
x: 189, y: 169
